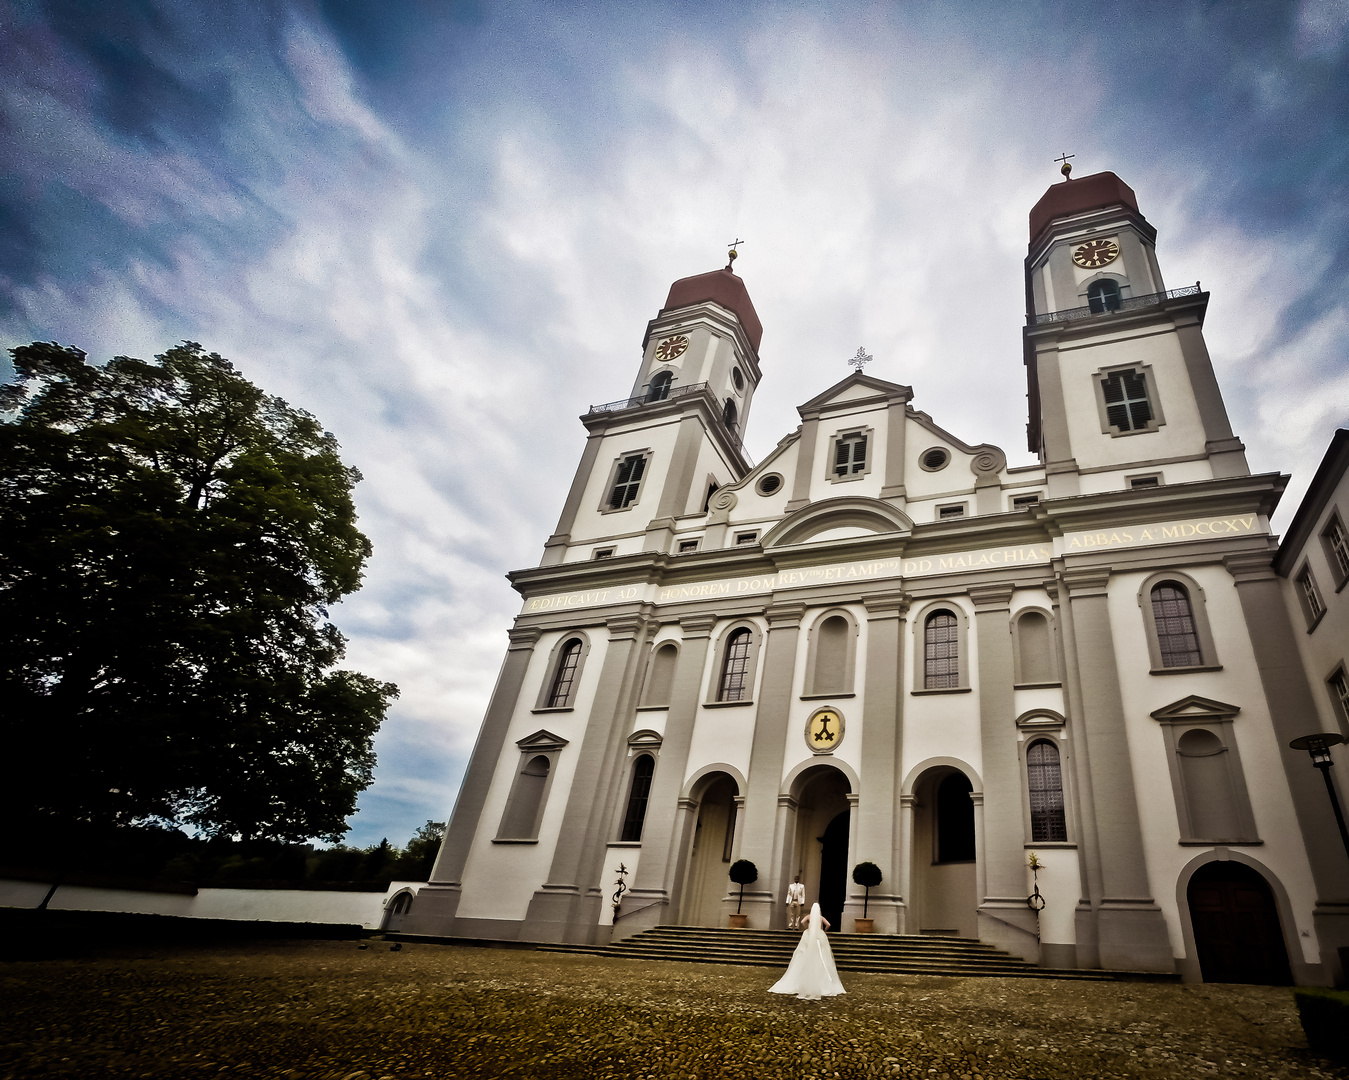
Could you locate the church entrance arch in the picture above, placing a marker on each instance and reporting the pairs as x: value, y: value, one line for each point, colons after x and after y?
x: 820, y: 852
x: 707, y: 881
x: 1237, y: 933
x: 945, y: 885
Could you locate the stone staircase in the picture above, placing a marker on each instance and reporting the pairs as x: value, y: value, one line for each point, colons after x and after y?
x: 896, y: 954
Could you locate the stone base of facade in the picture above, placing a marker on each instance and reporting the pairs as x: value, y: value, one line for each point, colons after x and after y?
x: 1131, y: 935
x: 434, y: 909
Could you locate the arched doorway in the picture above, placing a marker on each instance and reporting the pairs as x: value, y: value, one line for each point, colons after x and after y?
x: 821, y: 849
x: 397, y: 911
x: 707, y: 881
x: 944, y: 875
x: 1237, y: 934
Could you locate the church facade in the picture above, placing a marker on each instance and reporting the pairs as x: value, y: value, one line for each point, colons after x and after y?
x: 883, y: 644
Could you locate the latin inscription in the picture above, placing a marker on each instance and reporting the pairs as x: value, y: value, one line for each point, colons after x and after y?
x: 1170, y: 532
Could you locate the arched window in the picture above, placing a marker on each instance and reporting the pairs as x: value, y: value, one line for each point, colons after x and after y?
x: 642, y: 769
x: 659, y: 389
x: 955, y: 820
x: 735, y: 671
x: 521, y: 820
x: 1045, y: 780
x: 564, y: 677
x: 831, y: 673
x: 1034, y: 649
x: 1103, y: 295
x: 729, y: 414
x: 661, y: 676
x: 1173, y: 619
x: 941, y: 651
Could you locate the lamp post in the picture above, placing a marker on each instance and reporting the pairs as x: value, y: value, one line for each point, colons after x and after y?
x: 1318, y: 746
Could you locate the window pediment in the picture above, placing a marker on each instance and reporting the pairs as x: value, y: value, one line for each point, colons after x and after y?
x: 1193, y: 707
x: 541, y: 741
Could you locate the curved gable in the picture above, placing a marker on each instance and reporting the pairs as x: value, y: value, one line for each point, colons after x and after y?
x: 866, y: 516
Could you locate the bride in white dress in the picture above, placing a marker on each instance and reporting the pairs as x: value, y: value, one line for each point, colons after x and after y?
x: 811, y: 974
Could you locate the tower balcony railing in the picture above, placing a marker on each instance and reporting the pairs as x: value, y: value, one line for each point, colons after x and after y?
x: 668, y: 393
x: 1109, y: 307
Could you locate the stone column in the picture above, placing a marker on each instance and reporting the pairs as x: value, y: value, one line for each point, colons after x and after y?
x: 882, y: 731
x: 1131, y: 931
x: 567, y: 907
x: 907, y: 922
x: 433, y: 911
x: 759, y: 840
x: 649, y: 902
x: 1292, y: 712
x: 1004, y: 919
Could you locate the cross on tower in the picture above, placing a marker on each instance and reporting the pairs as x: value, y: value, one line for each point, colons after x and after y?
x: 733, y: 254
x: 861, y: 359
x: 1067, y: 169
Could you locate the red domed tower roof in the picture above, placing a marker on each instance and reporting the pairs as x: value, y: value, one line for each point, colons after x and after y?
x: 721, y: 287
x: 1094, y: 192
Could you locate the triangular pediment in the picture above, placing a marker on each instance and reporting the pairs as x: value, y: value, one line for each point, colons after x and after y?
x: 541, y: 741
x: 843, y: 518
x: 1195, y: 707
x: 857, y: 386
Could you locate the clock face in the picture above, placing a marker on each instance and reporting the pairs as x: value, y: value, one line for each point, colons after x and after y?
x: 672, y: 347
x: 824, y: 730
x: 1096, y: 253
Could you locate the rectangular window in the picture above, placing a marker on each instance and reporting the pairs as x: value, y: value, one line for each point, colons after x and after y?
x: 1022, y: 502
x: 1339, y: 696
x: 604, y: 553
x: 1136, y: 482
x: 627, y: 481
x: 1312, y: 604
x: 1126, y: 401
x: 1337, y: 549
x: 685, y: 546
x: 956, y: 510
x: 850, y: 455
x: 746, y: 538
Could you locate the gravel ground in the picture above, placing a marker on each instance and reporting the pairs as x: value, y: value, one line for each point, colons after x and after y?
x: 334, y: 1011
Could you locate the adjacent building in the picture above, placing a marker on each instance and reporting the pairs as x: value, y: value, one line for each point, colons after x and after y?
x: 882, y: 643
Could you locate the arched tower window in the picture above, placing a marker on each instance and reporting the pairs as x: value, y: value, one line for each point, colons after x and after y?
x: 640, y: 791
x: 734, y: 685
x: 729, y: 414
x: 1173, y: 618
x: 564, y: 677
x: 1103, y: 295
x: 941, y: 651
x: 659, y: 389
x: 1045, y: 780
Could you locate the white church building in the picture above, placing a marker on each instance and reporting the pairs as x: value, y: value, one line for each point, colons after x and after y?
x: 883, y: 644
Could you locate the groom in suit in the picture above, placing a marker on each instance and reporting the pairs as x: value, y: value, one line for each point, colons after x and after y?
x: 796, y: 896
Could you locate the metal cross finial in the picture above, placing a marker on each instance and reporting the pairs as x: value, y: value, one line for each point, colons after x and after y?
x: 1067, y: 169
x: 733, y: 254
x: 860, y: 360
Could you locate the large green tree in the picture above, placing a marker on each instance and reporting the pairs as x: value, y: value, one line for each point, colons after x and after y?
x: 170, y: 537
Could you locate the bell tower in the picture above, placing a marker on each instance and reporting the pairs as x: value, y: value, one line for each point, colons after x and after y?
x: 1120, y: 384
x: 657, y: 455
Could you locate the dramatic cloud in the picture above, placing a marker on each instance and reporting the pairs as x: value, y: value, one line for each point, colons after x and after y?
x: 442, y: 229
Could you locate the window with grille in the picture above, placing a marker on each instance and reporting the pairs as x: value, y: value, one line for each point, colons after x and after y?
x: 1312, y: 604
x: 559, y: 694
x: 735, y: 668
x: 850, y: 455
x: 627, y: 481
x: 746, y: 538
x: 941, y: 651
x: 1337, y: 549
x: 1103, y: 295
x: 955, y: 511
x: 686, y: 546
x: 1024, y: 502
x: 1173, y: 618
x: 1044, y: 777
x: 642, y: 769
x: 1126, y: 401
x: 659, y: 389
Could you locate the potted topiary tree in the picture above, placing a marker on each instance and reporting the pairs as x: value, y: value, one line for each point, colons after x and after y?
x: 868, y: 875
x: 743, y: 872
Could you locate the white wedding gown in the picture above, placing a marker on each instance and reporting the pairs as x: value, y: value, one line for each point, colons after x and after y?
x: 811, y: 974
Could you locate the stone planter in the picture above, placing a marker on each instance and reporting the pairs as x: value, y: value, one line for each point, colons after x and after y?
x: 739, y: 922
x: 864, y: 926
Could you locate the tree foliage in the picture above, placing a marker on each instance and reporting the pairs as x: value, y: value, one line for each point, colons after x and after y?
x: 172, y: 538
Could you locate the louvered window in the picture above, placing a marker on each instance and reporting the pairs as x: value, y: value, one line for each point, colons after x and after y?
x: 642, y: 769
x: 1126, y: 401
x: 941, y: 651
x: 850, y: 455
x: 735, y: 668
x: 627, y: 481
x: 1337, y: 548
x: 559, y: 695
x: 1177, y: 638
x: 1045, y: 779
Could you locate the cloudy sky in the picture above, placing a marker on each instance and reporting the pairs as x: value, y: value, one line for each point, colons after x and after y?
x: 441, y: 227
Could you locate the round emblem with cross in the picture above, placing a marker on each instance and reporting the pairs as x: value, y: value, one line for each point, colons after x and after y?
x: 824, y: 730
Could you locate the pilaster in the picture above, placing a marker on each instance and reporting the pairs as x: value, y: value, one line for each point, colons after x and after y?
x: 805, y: 465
